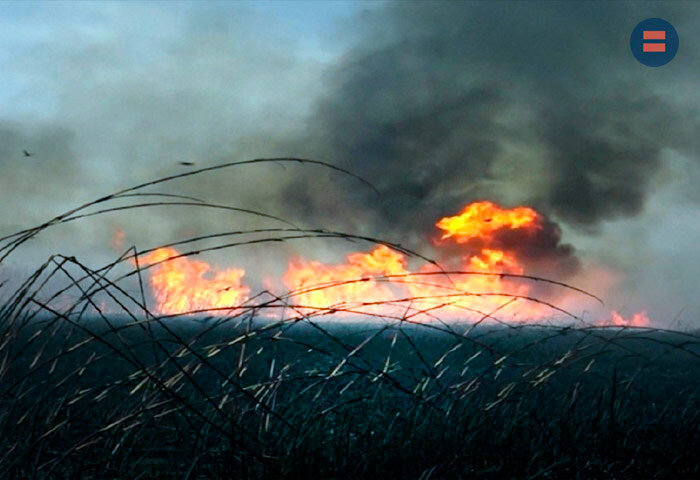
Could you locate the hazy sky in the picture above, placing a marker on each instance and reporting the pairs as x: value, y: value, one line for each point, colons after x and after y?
x: 438, y: 104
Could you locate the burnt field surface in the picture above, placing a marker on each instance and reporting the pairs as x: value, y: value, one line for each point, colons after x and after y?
x: 94, y: 384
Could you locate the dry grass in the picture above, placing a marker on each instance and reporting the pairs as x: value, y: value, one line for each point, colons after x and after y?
x: 130, y: 394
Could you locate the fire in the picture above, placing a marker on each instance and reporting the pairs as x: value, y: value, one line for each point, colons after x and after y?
x: 495, y: 261
x: 483, y: 243
x: 182, y: 285
x: 639, y: 319
x: 456, y: 294
x: 475, y: 229
x: 460, y: 294
x: 351, y: 283
x: 482, y: 219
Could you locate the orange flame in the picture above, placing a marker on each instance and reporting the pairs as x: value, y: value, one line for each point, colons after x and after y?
x: 639, y: 319
x: 482, y: 219
x: 380, y: 281
x: 471, y: 292
x: 349, y: 284
x: 180, y: 285
x: 454, y: 295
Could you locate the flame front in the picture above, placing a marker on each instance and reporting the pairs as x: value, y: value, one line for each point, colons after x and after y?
x: 354, y: 283
x: 180, y: 285
x: 460, y: 294
x: 318, y: 285
x: 481, y: 246
x: 477, y: 225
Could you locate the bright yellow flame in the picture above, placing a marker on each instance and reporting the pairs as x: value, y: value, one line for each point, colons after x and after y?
x: 304, y: 276
x: 181, y: 286
x: 457, y: 295
x: 482, y: 219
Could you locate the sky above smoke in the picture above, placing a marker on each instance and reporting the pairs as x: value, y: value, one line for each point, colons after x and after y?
x: 437, y: 104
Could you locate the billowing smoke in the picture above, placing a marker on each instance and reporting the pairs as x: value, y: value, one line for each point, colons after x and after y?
x: 538, y: 104
x: 437, y: 104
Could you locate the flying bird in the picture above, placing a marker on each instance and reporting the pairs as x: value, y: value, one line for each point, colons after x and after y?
x: 187, y: 164
x: 27, y: 154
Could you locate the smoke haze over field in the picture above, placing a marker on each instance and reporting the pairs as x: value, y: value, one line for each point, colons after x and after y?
x: 437, y: 104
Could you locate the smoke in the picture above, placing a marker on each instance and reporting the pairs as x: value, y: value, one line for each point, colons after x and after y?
x: 437, y: 104
x: 540, y: 250
x: 28, y: 178
x: 127, y: 93
x: 442, y: 104
x: 603, y: 155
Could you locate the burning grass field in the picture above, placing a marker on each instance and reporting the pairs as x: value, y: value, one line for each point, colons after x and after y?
x: 361, y: 369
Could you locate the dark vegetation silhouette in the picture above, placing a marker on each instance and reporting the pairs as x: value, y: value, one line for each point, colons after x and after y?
x: 241, y: 393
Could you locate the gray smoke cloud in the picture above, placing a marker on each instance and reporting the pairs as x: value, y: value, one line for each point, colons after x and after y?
x: 440, y: 104
x: 110, y: 98
x: 28, y: 178
x: 436, y: 103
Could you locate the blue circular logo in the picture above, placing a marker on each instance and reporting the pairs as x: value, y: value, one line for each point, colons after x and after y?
x: 654, y: 42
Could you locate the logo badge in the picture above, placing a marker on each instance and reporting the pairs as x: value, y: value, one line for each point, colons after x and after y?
x: 654, y: 42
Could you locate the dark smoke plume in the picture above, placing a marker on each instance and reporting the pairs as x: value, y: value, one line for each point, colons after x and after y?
x: 533, y: 103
